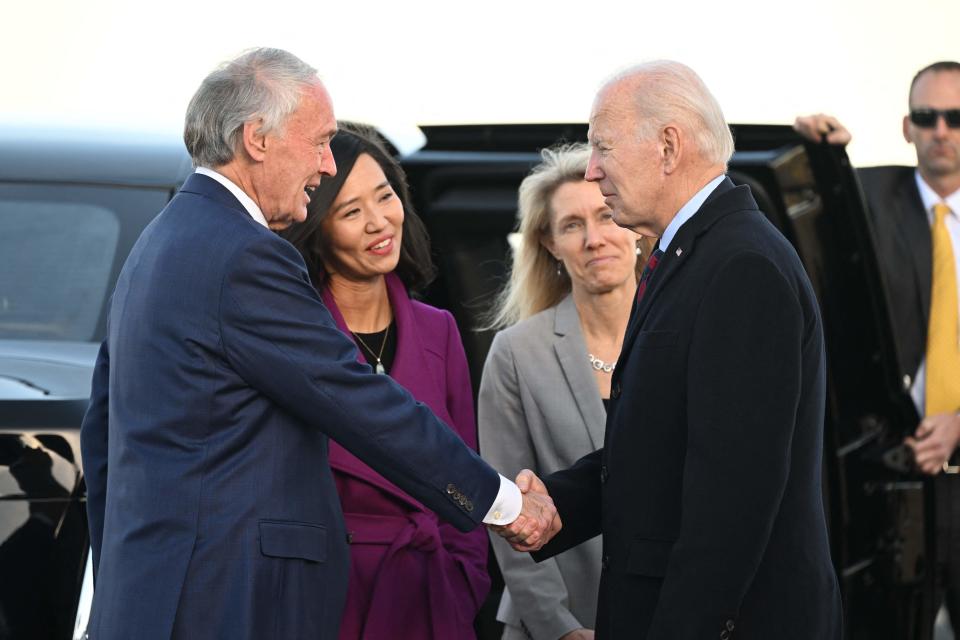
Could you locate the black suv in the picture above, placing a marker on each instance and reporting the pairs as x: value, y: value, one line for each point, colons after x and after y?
x: 72, y: 205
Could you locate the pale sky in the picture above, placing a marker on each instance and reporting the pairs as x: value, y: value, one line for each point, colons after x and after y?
x: 134, y: 65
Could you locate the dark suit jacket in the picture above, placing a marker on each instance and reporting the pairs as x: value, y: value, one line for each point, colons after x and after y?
x: 213, y: 511
x: 901, y: 231
x: 707, y: 490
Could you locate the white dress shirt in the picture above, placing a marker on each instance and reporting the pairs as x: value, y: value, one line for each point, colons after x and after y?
x: 252, y: 207
x: 930, y: 198
x: 509, y: 501
x: 686, y: 212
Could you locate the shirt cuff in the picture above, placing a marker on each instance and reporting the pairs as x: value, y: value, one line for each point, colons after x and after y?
x: 506, y: 506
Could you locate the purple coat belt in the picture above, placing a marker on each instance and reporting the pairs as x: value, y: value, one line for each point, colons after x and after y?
x: 404, y: 544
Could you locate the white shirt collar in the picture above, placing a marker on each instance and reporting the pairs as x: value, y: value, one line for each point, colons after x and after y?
x: 237, y: 192
x: 686, y: 211
x: 930, y: 197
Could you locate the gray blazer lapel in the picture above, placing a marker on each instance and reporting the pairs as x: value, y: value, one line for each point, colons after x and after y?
x: 571, y: 350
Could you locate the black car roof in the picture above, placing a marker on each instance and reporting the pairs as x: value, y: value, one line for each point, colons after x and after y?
x: 51, y: 155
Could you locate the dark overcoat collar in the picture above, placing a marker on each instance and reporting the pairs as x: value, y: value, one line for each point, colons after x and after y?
x: 725, y: 199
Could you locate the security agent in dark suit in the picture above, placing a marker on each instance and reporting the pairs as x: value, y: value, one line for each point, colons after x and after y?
x: 707, y: 488
x: 213, y: 512
x: 903, y: 204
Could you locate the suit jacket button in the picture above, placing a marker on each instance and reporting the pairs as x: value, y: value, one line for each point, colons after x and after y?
x: 451, y: 489
x: 468, y: 506
x: 603, y: 474
x: 724, y: 635
x: 730, y: 625
x: 605, y: 562
x: 349, y: 537
x: 615, y: 391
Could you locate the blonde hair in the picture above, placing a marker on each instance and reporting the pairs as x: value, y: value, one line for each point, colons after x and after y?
x: 534, y: 283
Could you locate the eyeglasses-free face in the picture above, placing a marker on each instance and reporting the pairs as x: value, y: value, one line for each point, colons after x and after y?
x: 927, y: 118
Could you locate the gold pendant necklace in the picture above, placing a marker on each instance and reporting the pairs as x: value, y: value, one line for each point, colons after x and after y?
x: 377, y: 356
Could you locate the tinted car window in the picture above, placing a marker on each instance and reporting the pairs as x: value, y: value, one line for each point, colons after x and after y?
x: 61, y: 247
x: 55, y: 263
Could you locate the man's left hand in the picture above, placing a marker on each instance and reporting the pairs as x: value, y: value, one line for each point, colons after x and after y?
x: 934, y: 441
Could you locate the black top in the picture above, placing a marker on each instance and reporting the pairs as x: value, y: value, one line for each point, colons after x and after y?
x: 372, y: 344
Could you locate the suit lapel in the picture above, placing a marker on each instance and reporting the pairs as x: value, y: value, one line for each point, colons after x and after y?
x: 916, y: 236
x: 725, y: 199
x: 677, y: 254
x: 570, y: 348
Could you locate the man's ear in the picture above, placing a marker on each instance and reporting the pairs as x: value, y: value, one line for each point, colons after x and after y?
x: 254, y: 142
x: 906, y: 129
x: 671, y: 148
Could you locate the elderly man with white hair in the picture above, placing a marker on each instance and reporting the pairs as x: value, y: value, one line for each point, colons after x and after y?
x: 213, y: 512
x: 707, y: 490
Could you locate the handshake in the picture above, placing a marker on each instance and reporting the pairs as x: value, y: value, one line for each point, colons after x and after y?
x: 538, y: 521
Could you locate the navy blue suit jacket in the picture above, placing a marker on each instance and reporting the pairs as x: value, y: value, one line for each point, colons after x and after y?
x: 708, y: 487
x: 213, y: 512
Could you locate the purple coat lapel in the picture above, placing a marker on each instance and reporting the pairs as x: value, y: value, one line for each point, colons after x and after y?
x: 425, y: 571
x: 411, y: 369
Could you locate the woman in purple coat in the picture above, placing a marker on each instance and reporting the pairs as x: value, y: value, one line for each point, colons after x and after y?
x: 411, y: 575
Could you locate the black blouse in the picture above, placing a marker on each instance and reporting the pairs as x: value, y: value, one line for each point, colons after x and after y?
x: 382, y: 343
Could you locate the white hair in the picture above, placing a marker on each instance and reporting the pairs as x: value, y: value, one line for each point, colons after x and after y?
x: 667, y: 91
x: 265, y: 84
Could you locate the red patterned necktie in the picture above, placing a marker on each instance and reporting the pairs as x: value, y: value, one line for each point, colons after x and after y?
x: 647, y: 270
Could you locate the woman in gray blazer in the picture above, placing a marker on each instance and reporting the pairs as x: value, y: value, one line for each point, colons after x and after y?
x: 542, y: 395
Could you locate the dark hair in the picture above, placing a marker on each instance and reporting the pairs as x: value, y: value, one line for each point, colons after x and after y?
x: 415, y: 268
x: 936, y: 67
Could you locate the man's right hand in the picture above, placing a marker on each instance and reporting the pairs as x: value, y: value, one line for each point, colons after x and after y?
x: 821, y: 127
x: 934, y: 441
x: 538, y: 521
x: 578, y: 634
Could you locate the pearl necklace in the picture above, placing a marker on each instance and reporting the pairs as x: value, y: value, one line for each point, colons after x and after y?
x: 600, y: 365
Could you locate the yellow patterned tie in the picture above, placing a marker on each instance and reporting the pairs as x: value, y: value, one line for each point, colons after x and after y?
x: 943, y: 339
